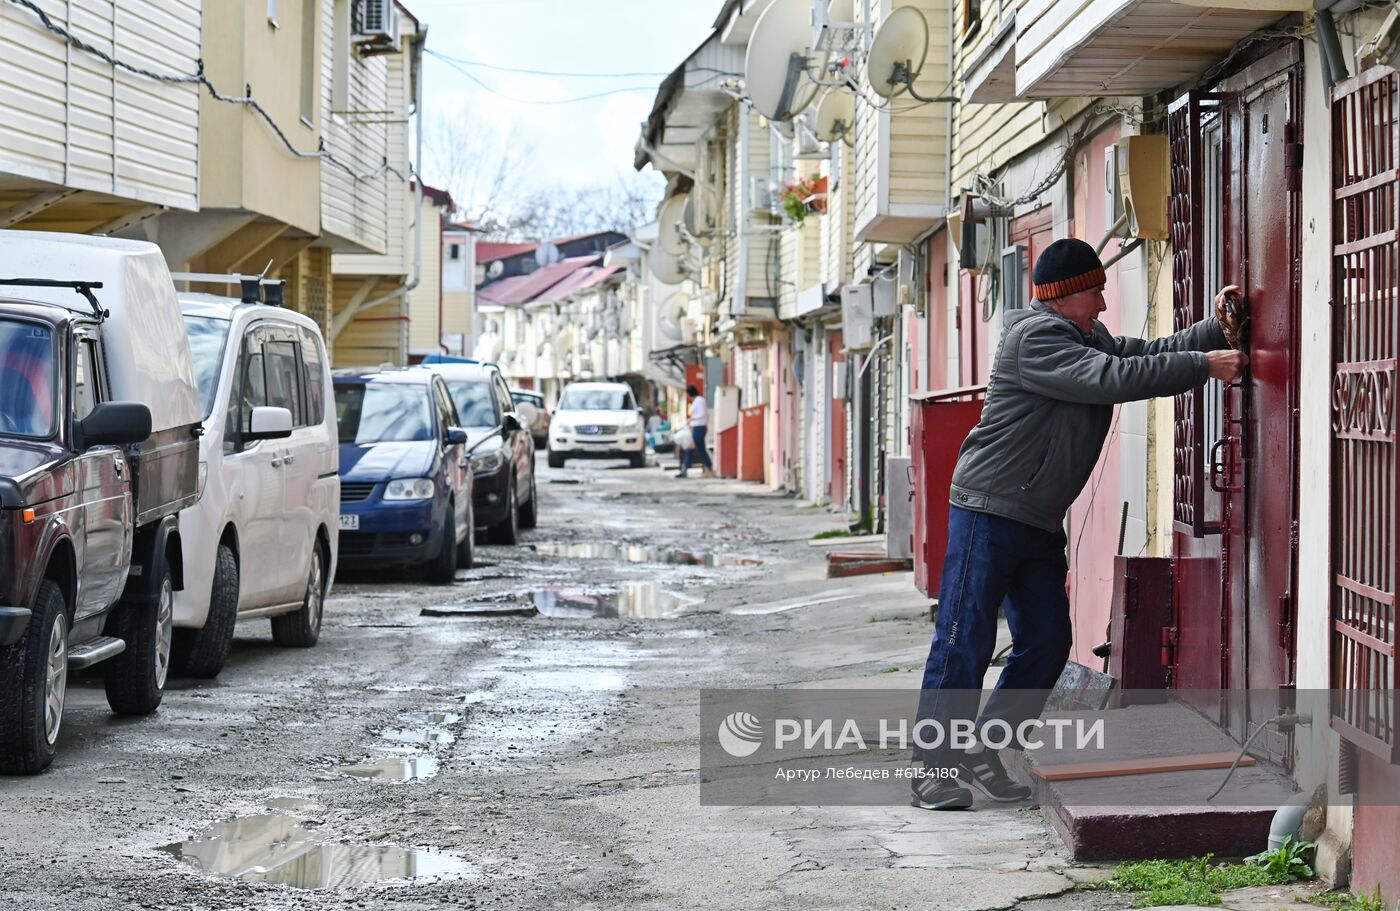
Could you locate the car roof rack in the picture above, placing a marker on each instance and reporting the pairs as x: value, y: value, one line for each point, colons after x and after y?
x: 253, y: 289
x: 83, y: 288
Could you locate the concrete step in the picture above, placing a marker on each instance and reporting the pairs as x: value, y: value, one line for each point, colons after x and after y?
x: 1159, y: 814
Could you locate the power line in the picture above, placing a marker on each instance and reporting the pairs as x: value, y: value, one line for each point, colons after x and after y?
x: 512, y: 69
x: 199, y: 79
x: 544, y: 101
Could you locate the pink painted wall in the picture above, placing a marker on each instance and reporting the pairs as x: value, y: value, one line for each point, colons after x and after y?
x: 1095, y: 516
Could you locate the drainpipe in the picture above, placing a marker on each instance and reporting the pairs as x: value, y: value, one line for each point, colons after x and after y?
x: 1334, y: 65
x: 402, y: 293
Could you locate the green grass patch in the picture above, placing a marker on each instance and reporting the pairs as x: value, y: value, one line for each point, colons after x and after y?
x: 1199, y: 881
x: 890, y: 670
x: 1347, y: 901
x: 833, y: 533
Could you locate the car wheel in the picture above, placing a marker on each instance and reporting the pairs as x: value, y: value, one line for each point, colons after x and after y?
x: 530, y: 511
x: 135, y: 679
x: 301, y: 628
x: 637, y: 459
x: 442, y: 570
x: 202, y: 652
x: 466, y: 551
x: 35, y: 680
x: 556, y: 460
x: 507, y: 531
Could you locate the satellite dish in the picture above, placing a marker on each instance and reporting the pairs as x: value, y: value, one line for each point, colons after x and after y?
x: 670, y: 225
x: 496, y: 269
x: 780, y: 70
x: 898, y: 53
x: 841, y: 11
x: 696, y: 220
x: 836, y: 117
x: 668, y: 269
x: 670, y: 313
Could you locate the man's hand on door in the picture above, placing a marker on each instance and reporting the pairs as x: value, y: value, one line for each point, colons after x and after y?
x: 1233, y: 313
x: 1226, y: 365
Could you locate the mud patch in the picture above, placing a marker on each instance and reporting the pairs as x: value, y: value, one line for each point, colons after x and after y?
x: 278, y: 849
x: 482, y: 609
x: 417, y: 736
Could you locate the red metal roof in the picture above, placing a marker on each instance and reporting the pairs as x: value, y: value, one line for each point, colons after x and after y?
x: 522, y: 289
x: 487, y: 251
x: 578, y: 281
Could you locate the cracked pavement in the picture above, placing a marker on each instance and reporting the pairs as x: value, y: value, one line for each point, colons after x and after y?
x: 570, y: 779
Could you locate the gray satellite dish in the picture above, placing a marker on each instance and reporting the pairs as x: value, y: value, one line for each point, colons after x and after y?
x: 836, y: 117
x: 780, y: 69
x: 897, y: 55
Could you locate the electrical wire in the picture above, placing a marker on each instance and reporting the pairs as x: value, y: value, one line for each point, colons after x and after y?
x: 530, y: 72
x: 541, y: 101
x: 199, y: 79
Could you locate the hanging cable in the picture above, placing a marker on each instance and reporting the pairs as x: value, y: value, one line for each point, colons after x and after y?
x: 199, y: 79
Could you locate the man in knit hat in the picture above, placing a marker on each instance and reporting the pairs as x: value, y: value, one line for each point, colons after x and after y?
x: 1055, y: 378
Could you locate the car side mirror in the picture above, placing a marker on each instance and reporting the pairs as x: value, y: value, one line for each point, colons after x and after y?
x: 114, y: 424
x: 269, y: 423
x: 456, y: 436
x: 511, y: 422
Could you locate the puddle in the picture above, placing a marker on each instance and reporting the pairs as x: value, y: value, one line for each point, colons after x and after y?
x: 292, y: 804
x: 481, y: 609
x: 277, y: 849
x: 435, y: 738
x: 416, y: 768
x: 438, y: 718
x: 641, y: 553
x: 631, y: 599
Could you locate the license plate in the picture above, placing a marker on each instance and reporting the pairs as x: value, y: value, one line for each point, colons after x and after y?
x: 349, y: 522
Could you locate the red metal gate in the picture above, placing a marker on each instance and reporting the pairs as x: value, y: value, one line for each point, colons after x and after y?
x: 1236, y: 446
x: 1365, y: 287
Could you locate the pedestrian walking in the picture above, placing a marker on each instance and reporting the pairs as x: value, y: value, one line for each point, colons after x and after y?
x: 1055, y: 379
x: 699, y: 425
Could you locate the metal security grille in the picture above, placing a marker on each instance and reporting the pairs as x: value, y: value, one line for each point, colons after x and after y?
x: 1186, y: 135
x: 1365, y: 283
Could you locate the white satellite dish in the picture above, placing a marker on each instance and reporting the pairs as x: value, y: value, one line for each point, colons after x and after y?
x: 836, y: 117
x: 841, y: 11
x: 697, y: 218
x: 668, y: 269
x: 669, y: 315
x: 670, y: 224
x: 780, y: 71
x: 898, y: 53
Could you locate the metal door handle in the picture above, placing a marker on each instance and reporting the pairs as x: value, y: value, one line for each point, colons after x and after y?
x: 1216, y: 466
x: 288, y: 459
x: 276, y: 462
x: 118, y: 464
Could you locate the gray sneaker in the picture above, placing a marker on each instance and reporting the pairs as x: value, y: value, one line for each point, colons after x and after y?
x: 983, y: 768
x: 939, y: 794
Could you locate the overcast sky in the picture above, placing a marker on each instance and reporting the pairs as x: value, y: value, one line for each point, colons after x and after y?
x: 579, y: 144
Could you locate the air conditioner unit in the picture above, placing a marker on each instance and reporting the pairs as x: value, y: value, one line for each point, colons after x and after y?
x: 690, y: 330
x: 1144, y: 179
x: 376, y: 27
x: 858, y: 317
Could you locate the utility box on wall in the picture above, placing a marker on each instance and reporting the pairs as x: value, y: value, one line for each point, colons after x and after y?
x: 858, y: 316
x: 899, y: 508
x: 940, y: 421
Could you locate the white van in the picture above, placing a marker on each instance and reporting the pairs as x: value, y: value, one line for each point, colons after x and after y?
x: 262, y: 541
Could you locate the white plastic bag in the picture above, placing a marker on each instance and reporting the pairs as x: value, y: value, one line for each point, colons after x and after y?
x: 682, y: 438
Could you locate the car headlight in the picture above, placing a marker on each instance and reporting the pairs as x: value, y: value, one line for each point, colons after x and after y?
x: 488, y: 462
x: 410, y: 489
x: 564, y: 428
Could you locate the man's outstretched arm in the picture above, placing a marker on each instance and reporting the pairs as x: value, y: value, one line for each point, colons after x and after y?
x: 1213, y: 333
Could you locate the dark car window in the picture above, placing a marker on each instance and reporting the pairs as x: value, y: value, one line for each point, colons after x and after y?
x: 446, y: 412
x: 476, y: 407
x: 381, y: 412
x: 595, y: 400
x: 207, y: 336
x: 250, y: 391
x: 313, y: 363
x: 86, y: 388
x: 283, y: 363
x: 27, y: 379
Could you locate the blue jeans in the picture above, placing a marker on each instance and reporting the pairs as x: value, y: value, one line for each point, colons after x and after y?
x: 995, y: 562
x: 698, y: 435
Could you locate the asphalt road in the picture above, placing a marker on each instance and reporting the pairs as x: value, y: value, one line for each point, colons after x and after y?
x: 552, y: 758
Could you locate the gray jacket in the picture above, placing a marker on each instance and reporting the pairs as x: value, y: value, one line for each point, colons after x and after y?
x: 1049, y: 405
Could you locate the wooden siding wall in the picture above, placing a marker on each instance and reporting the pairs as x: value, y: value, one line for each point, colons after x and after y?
x: 358, y: 210
x: 426, y: 304
x: 917, y: 156
x: 376, y: 335
x: 866, y: 172
x: 72, y: 120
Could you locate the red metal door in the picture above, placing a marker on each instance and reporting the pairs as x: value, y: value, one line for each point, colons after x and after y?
x: 1250, y: 468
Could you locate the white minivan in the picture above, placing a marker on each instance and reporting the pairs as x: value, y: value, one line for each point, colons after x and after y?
x: 262, y: 540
